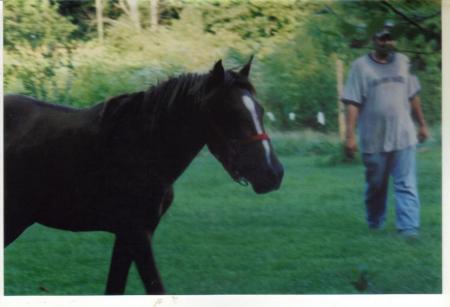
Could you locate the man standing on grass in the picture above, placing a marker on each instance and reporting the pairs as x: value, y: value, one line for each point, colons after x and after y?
x: 382, y: 96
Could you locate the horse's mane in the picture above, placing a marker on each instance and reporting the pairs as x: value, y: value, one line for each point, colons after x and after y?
x: 187, y: 89
x: 170, y: 91
x: 192, y: 90
x: 193, y: 87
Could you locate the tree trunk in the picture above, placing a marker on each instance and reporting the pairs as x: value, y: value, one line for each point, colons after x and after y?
x: 134, y: 14
x: 99, y: 13
x: 153, y: 14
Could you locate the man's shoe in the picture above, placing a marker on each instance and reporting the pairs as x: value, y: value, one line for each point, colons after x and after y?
x: 409, y: 233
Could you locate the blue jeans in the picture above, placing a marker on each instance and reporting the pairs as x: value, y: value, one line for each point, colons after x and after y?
x: 401, y: 165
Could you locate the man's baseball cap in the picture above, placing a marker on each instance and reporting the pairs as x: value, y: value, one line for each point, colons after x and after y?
x: 386, y: 32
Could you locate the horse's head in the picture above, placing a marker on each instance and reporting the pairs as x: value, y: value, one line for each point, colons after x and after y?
x: 235, y: 130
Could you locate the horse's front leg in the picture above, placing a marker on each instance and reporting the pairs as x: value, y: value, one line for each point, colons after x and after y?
x: 128, y: 247
x: 142, y: 254
x: 135, y: 245
x: 138, y: 244
x: 120, y: 265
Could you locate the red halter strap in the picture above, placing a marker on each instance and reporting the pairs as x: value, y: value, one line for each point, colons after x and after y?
x: 255, y: 138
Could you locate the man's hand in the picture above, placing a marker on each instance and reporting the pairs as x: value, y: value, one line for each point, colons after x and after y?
x: 423, y: 134
x: 350, y: 140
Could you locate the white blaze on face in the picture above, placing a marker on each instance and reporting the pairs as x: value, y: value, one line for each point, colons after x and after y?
x: 250, y: 105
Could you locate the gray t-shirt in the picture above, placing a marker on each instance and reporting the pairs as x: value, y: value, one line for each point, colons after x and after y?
x: 383, y: 93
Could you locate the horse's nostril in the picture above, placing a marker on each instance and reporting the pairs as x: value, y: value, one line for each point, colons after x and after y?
x: 278, y: 171
x: 275, y: 174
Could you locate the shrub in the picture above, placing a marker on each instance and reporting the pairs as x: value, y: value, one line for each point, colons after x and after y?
x: 299, y: 78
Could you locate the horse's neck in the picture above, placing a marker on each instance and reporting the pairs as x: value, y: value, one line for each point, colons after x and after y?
x: 160, y: 138
x: 181, y: 137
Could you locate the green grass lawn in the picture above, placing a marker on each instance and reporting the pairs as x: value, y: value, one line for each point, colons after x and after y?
x: 309, y: 237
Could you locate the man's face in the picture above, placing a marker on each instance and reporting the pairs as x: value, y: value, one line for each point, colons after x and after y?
x: 384, y: 45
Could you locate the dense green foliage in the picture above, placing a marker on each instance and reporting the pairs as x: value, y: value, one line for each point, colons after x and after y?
x: 38, y: 45
x: 52, y: 51
x: 221, y: 238
x: 34, y: 23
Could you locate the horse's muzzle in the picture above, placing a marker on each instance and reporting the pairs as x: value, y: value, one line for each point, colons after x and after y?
x: 270, y: 181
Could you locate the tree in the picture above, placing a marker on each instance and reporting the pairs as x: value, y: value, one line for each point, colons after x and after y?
x: 34, y: 23
x: 153, y: 14
x: 99, y: 13
x: 38, y: 43
x: 354, y: 23
x: 298, y: 77
x: 255, y: 20
x: 81, y: 14
x: 133, y: 12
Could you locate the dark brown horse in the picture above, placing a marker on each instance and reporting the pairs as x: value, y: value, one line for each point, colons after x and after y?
x: 111, y: 167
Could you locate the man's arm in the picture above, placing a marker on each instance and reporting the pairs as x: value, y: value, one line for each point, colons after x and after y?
x: 418, y: 116
x: 350, y: 139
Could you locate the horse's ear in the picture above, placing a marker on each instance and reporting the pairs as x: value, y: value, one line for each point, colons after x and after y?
x: 217, y: 74
x: 245, y: 71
